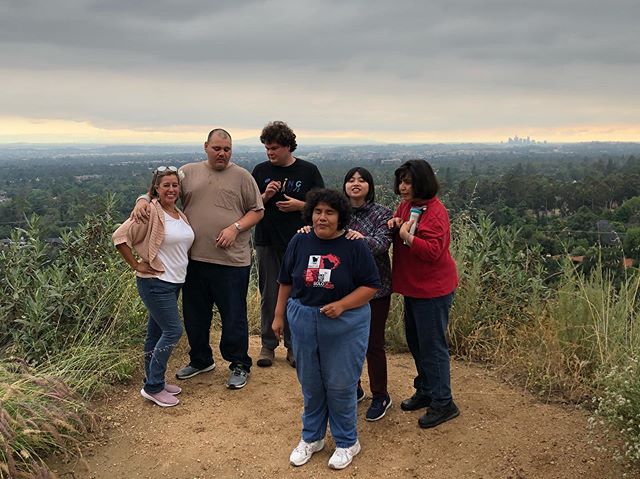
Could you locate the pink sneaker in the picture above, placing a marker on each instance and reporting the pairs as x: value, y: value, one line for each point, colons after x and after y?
x: 162, y: 398
x: 172, y: 389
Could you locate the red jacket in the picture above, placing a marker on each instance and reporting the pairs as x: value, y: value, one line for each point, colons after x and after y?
x: 425, y: 269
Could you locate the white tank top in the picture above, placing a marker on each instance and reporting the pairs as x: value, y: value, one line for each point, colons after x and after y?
x: 178, y: 238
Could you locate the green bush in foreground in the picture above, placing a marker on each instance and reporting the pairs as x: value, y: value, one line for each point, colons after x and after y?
x: 620, y: 403
x: 70, y: 316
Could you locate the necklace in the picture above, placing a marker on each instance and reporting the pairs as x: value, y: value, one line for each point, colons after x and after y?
x: 173, y: 213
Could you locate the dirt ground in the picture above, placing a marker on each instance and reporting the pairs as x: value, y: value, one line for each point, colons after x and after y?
x: 502, y: 432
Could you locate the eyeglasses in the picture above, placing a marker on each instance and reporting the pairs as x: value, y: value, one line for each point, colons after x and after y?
x: 164, y: 169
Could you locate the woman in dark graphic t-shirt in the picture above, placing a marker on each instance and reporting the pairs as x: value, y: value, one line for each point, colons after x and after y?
x: 326, y: 282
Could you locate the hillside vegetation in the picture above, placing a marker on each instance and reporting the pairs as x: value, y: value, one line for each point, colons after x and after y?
x: 71, y: 323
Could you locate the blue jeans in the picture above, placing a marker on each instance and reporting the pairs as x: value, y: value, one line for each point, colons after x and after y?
x: 226, y: 287
x: 329, y: 356
x: 163, y: 329
x: 425, y: 323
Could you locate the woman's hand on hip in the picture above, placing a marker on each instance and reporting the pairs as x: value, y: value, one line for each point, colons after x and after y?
x: 145, y: 268
x: 332, y: 310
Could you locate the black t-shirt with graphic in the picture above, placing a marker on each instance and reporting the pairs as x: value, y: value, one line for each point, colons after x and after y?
x: 322, y: 271
x: 277, y: 227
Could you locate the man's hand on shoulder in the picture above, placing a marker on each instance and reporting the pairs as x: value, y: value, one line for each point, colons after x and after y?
x: 141, y: 211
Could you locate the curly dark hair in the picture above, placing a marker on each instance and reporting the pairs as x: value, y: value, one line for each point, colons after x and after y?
x: 423, y: 180
x: 280, y: 133
x: 333, y: 198
x: 366, y: 176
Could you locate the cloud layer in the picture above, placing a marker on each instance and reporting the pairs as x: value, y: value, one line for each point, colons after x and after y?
x: 365, y: 66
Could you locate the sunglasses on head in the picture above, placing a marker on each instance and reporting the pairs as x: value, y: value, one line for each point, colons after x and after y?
x: 164, y: 169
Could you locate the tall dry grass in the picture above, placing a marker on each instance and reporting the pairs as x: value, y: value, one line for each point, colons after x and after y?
x: 571, y: 335
x: 68, y: 320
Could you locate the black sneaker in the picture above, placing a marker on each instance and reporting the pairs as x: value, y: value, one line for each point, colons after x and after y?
x: 438, y: 415
x: 360, y: 395
x: 378, y: 408
x: 415, y: 402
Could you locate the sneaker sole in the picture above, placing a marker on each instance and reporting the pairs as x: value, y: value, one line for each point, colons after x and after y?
x: 361, y: 398
x: 381, y: 415
x: 199, y: 371
x: 238, y: 386
x: 338, y: 468
x: 149, y: 397
x: 442, y: 420
x: 308, y: 459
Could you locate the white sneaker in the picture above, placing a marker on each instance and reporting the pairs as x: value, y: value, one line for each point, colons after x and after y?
x: 303, y: 452
x: 343, y: 456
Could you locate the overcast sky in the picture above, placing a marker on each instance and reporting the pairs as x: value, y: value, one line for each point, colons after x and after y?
x: 405, y: 71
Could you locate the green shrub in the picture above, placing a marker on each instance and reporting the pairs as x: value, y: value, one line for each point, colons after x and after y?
x: 619, y: 402
x: 69, y: 317
x: 501, y: 286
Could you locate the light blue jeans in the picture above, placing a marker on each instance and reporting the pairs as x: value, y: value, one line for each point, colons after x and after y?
x: 163, y: 328
x: 329, y: 356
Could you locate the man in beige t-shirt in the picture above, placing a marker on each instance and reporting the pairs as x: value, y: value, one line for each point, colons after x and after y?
x: 222, y: 202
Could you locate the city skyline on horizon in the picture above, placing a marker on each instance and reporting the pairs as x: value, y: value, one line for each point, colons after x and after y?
x: 366, y: 72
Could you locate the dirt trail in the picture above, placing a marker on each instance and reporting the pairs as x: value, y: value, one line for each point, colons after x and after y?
x: 502, y: 432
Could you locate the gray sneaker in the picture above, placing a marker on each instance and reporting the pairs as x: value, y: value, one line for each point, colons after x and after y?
x: 237, y: 378
x: 189, y: 371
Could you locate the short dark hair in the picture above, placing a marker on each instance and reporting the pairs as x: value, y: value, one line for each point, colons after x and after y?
x: 333, y: 198
x: 423, y: 180
x: 280, y: 133
x: 219, y: 131
x: 366, y: 176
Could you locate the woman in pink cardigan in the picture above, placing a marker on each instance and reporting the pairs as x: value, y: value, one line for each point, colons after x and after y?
x: 162, y: 244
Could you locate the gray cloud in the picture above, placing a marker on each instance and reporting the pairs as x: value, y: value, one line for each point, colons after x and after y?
x: 328, y: 64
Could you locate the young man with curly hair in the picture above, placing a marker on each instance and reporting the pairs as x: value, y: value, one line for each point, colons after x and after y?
x: 283, y: 181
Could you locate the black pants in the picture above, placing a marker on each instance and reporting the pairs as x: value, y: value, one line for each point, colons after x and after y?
x: 226, y: 287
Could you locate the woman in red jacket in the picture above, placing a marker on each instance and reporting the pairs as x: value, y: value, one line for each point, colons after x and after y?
x: 425, y: 274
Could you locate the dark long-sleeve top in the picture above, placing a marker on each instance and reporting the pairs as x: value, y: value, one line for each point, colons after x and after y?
x: 371, y: 220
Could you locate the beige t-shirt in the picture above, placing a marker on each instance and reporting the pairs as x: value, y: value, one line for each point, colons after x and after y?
x: 213, y: 200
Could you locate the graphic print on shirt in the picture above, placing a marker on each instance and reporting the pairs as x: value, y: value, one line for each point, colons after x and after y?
x: 318, y: 272
x: 287, y: 185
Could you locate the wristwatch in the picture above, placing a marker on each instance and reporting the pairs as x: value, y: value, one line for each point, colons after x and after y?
x: 237, y: 225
